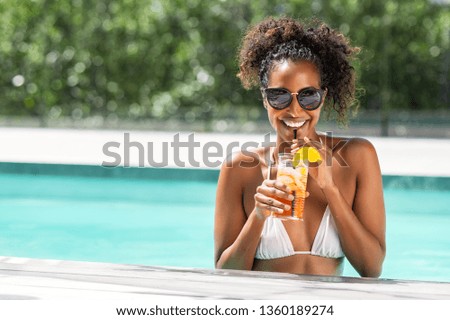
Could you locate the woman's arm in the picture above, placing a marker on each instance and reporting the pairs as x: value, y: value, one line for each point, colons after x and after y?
x: 361, y: 225
x: 363, y: 238
x: 236, y: 237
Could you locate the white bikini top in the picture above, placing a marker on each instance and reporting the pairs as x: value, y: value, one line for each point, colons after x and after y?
x: 275, y: 242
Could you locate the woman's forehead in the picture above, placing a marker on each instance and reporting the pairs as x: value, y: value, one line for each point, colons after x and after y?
x: 294, y: 73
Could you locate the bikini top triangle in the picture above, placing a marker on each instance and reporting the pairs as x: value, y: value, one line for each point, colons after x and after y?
x: 275, y: 242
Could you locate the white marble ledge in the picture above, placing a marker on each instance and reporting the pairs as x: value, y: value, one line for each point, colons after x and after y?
x: 22, y: 278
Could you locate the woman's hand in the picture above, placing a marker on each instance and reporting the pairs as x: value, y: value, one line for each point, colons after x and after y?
x: 265, y: 202
x: 320, y: 171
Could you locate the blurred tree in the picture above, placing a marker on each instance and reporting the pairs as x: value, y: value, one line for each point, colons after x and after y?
x: 130, y: 59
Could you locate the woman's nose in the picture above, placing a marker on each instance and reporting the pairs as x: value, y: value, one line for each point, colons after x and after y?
x: 294, y: 108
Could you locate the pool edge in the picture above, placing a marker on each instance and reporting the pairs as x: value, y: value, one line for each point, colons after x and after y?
x: 47, y: 279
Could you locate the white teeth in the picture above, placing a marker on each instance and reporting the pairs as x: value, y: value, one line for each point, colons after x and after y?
x: 294, y: 124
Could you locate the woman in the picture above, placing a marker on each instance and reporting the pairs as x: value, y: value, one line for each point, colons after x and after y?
x: 301, y: 70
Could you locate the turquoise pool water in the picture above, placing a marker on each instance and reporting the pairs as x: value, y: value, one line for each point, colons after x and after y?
x: 170, y: 223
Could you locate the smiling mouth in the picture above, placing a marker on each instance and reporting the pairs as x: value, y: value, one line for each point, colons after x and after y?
x: 294, y: 124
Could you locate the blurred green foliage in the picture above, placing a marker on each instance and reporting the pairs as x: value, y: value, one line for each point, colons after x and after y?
x: 156, y: 59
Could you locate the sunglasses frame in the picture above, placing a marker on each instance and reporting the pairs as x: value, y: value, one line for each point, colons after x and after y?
x: 320, y: 91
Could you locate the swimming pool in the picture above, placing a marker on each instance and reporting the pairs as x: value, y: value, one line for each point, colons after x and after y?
x: 142, y: 217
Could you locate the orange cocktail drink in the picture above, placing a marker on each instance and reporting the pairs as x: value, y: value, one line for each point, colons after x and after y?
x: 293, y: 175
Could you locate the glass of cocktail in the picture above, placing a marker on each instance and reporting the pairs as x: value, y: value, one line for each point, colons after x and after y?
x: 294, y: 174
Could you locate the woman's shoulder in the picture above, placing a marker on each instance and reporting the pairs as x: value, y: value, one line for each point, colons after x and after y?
x: 354, y: 146
x: 357, y: 152
x: 242, y: 168
x: 245, y: 159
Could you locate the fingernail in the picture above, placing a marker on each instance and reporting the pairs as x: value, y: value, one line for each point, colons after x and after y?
x: 280, y: 210
x: 291, y: 197
x: 286, y: 207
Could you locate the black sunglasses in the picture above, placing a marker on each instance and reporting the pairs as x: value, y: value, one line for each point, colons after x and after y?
x: 280, y: 98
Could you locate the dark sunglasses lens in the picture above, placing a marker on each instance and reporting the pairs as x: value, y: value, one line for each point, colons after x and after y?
x: 278, y: 99
x: 309, y: 99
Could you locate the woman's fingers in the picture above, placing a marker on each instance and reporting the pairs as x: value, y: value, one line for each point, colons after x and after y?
x: 296, y: 144
x: 316, y: 144
x: 265, y: 195
x: 273, y: 188
x: 269, y: 204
